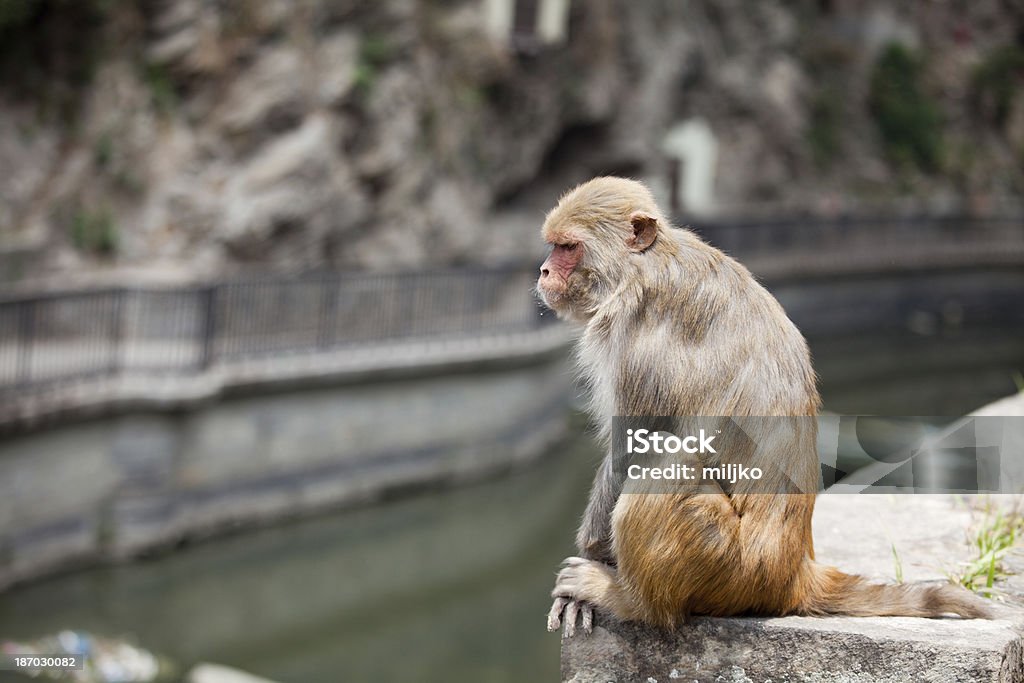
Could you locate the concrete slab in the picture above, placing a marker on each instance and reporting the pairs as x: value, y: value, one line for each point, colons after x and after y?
x: 834, y: 650
x: 930, y: 535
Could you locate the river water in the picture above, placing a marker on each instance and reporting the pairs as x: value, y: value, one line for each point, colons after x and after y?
x: 443, y: 586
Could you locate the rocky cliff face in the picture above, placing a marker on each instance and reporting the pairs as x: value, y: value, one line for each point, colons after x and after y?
x: 194, y: 137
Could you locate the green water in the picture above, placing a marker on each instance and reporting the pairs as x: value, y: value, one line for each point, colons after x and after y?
x: 442, y: 586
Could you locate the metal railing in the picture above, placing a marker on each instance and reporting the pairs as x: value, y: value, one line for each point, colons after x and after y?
x: 67, y: 336
x: 748, y: 237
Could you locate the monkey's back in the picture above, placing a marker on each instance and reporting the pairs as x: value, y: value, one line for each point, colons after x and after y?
x: 718, y: 344
x: 705, y: 338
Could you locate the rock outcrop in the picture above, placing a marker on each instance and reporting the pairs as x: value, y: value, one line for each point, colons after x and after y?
x: 201, y: 136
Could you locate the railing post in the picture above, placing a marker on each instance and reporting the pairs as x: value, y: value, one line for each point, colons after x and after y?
x: 116, y: 330
x: 26, y: 332
x: 328, y: 318
x: 208, y: 302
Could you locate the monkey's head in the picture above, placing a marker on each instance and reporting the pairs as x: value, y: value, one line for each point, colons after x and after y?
x: 599, y: 234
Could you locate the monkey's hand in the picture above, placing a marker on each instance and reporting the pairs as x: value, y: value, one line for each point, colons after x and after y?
x: 570, y: 594
x: 570, y: 608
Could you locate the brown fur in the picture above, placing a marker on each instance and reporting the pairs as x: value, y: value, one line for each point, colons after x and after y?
x: 673, y: 326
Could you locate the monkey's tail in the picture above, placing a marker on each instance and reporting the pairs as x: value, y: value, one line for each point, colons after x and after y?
x: 830, y: 591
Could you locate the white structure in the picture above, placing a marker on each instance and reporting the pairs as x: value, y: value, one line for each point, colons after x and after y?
x: 552, y: 21
x: 545, y: 21
x: 692, y: 147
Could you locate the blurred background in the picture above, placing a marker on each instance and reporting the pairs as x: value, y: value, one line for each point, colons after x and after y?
x: 275, y: 392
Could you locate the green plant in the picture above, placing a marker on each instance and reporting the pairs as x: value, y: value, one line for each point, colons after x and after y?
x: 375, y: 51
x: 1018, y: 379
x: 121, y: 173
x: 996, y: 534
x: 103, y: 151
x: 469, y: 96
x: 897, y: 563
x: 94, y: 231
x: 907, y: 119
x: 364, y: 78
x: 161, y: 87
x: 995, y: 81
x: 824, y: 126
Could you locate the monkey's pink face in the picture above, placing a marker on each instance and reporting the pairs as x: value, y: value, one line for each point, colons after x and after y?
x: 553, y: 283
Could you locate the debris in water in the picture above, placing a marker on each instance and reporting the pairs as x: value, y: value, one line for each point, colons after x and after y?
x: 106, y: 660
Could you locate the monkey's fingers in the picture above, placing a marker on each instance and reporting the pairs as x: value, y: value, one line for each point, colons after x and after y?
x: 571, y: 610
x: 555, y: 614
x: 587, y: 618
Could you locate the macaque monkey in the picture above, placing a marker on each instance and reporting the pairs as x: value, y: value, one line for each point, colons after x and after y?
x: 674, y: 327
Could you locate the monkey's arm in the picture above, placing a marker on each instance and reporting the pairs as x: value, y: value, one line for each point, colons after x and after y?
x: 593, y: 540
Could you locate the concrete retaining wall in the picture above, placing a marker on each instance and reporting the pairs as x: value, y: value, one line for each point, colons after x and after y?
x: 144, y: 476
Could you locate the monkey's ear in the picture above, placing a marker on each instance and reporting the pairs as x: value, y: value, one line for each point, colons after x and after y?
x: 645, y: 231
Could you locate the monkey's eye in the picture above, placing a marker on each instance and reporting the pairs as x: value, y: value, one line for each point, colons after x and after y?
x: 571, y: 247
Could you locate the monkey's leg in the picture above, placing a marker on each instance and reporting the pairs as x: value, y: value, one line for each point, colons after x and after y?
x: 709, y: 554
x: 678, y: 553
x: 669, y: 547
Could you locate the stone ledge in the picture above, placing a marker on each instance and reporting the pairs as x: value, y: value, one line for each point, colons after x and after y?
x: 834, y: 649
x: 859, y: 534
